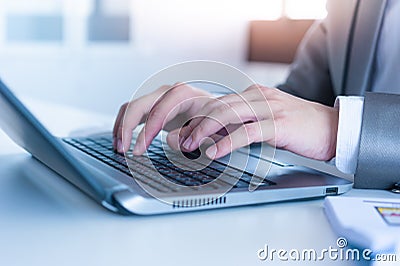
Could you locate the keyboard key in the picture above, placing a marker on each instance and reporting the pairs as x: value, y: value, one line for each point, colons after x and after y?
x: 155, y: 170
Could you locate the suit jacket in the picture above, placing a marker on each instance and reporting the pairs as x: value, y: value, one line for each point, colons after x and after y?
x: 336, y: 58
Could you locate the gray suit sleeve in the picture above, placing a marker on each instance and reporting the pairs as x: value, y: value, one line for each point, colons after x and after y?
x: 309, y: 75
x: 379, y: 154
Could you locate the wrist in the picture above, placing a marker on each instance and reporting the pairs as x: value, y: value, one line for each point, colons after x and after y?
x: 334, y: 124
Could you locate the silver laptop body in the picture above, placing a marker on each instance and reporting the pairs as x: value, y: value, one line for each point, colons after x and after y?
x: 142, y: 191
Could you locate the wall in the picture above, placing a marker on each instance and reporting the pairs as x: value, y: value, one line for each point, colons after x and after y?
x: 102, y: 76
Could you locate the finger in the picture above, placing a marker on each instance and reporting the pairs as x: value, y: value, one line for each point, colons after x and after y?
x: 176, y: 101
x: 244, y: 97
x: 117, y: 124
x: 204, y: 112
x: 119, y: 118
x: 243, y: 136
x: 173, y: 139
x: 184, y: 132
x: 135, y: 112
x: 211, y: 123
x: 237, y: 114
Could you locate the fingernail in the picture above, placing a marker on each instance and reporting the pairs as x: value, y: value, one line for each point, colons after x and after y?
x: 211, y: 152
x: 181, y: 139
x: 120, y: 147
x: 187, y: 143
x: 182, y: 136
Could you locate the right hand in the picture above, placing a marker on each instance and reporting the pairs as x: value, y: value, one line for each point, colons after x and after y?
x: 155, y: 110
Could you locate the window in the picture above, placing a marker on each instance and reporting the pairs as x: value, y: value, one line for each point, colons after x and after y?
x: 305, y: 9
x: 64, y: 21
x: 292, y: 9
x: 109, y: 21
x: 25, y: 22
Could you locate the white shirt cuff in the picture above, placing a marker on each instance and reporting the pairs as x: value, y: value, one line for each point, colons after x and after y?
x: 349, y: 130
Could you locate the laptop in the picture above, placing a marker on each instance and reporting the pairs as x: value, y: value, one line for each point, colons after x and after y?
x: 162, y: 180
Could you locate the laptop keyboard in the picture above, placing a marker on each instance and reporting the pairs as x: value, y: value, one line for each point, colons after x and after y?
x: 154, y: 167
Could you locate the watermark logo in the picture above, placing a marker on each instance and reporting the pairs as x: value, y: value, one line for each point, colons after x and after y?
x: 340, y: 252
x: 341, y: 242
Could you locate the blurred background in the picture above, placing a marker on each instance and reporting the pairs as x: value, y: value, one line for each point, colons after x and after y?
x: 95, y: 53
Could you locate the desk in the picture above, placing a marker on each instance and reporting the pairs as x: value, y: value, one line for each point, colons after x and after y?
x: 46, y: 221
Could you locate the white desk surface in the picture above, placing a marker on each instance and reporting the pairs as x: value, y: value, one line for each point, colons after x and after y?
x: 46, y: 221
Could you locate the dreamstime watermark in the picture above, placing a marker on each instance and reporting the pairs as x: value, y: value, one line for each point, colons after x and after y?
x: 340, y: 252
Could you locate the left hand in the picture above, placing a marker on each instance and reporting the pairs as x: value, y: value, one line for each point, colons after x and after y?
x: 264, y: 114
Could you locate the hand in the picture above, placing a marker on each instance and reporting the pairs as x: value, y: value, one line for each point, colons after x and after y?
x: 155, y: 110
x: 265, y: 114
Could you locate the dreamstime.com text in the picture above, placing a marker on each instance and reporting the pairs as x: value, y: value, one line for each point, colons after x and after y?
x: 338, y: 253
